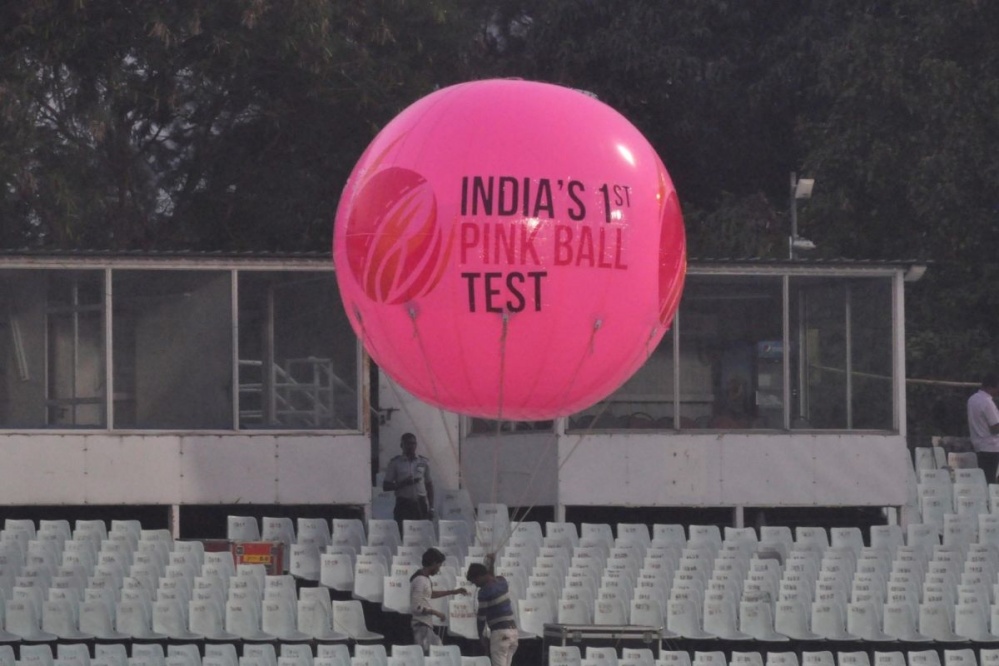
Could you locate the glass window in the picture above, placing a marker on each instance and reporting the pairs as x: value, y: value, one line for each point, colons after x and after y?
x: 871, y: 367
x: 818, y: 310
x: 842, y: 365
x: 731, y: 353
x: 172, y: 350
x: 297, y: 353
x: 52, y: 349
x: 491, y: 426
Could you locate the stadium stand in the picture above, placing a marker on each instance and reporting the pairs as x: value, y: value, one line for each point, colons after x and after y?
x: 707, y: 594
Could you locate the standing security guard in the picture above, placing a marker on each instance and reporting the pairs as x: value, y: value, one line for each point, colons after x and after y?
x: 409, y: 476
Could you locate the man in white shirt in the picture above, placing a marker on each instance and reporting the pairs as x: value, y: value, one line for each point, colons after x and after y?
x: 421, y: 592
x: 983, y: 425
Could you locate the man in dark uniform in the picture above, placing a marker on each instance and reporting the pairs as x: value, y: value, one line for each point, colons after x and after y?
x: 409, y: 476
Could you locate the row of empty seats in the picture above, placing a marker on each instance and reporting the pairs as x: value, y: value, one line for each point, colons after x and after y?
x: 702, y: 581
x: 305, y: 540
x: 962, y: 492
x: 811, y: 583
x: 58, y: 583
x: 608, y: 656
x: 225, y: 654
x: 264, y: 654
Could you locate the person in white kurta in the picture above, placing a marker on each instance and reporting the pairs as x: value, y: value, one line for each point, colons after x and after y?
x: 421, y: 592
x: 983, y: 426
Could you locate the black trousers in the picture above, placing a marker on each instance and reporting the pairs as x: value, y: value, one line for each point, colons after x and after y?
x: 410, y: 509
x: 989, y: 462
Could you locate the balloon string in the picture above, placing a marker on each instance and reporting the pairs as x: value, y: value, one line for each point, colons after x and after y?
x: 581, y: 436
x: 499, y: 544
x: 591, y: 344
x: 366, y: 344
x: 552, y: 440
x: 585, y: 433
x: 499, y: 408
x: 597, y: 324
x: 649, y: 349
x: 502, y: 368
x: 515, y: 519
x: 520, y: 513
x: 579, y: 365
x: 462, y: 471
x: 423, y: 353
x: 452, y: 444
x: 495, y: 479
x: 404, y: 404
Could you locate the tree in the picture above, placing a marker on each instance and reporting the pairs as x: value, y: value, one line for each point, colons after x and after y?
x: 901, y: 139
x: 209, y: 125
x: 905, y: 99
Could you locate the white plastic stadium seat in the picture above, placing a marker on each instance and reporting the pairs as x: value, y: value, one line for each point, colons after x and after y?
x: 22, y: 619
x: 97, y: 618
x: 817, y: 658
x: 923, y: 658
x: 279, y: 618
x: 684, y: 619
x: 462, y: 618
x: 348, y: 618
x: 781, y: 659
x: 565, y: 655
x: 242, y: 528
x: 756, y: 618
x: 962, y: 657
x: 243, y: 619
x: 207, y: 618
x: 721, y: 619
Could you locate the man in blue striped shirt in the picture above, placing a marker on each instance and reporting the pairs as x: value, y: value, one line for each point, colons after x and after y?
x: 496, y: 613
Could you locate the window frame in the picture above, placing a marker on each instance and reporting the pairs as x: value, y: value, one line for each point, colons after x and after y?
x: 893, y: 276
x: 108, y: 267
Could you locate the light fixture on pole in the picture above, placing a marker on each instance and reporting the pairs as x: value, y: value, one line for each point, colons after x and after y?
x: 800, y: 189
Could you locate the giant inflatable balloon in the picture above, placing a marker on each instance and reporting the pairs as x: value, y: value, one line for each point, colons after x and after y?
x: 509, y: 249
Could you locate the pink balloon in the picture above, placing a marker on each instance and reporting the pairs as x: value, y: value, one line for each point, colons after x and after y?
x: 510, y: 249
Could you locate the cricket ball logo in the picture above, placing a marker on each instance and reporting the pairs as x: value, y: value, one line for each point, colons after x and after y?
x: 396, y: 248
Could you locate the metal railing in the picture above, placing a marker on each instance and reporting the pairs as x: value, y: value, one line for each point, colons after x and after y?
x: 298, y: 393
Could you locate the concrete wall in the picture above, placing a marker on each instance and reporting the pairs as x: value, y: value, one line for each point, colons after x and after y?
x: 691, y: 470
x: 517, y: 469
x: 45, y: 468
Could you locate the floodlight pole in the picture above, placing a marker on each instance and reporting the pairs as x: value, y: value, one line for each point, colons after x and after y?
x: 800, y: 189
x: 794, y: 215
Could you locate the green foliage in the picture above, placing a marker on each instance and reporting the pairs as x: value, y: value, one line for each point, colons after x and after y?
x: 202, y: 124
x: 902, y: 145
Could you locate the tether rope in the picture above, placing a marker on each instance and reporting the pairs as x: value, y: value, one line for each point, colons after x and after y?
x: 404, y: 404
x: 519, y: 512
